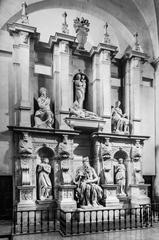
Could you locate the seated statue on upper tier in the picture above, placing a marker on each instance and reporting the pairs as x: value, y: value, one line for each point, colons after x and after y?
x: 43, y: 117
x: 89, y: 193
x: 120, y: 122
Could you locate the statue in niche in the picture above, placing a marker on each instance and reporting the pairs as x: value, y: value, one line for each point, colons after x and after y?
x: 65, y: 172
x: 43, y: 117
x: 89, y: 193
x: 120, y: 122
x: 137, y: 172
x: 77, y: 110
x: 120, y: 176
x: 25, y: 144
x: 44, y: 182
x: 80, y: 88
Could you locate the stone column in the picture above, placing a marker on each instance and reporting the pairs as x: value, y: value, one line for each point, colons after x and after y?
x: 103, y: 70
x: 61, y: 68
x: 133, y: 80
x: 156, y: 87
x: 23, y: 39
x: 95, y: 84
x: 127, y: 88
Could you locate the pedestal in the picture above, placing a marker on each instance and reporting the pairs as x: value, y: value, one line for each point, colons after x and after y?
x: 66, y: 198
x: 26, y: 198
x: 138, y: 194
x: 110, y: 196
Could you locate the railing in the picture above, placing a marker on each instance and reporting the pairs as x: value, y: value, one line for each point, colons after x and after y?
x: 84, y: 221
x: 93, y: 221
x: 35, y: 221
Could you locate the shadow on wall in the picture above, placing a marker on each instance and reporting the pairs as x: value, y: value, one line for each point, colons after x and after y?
x: 5, y: 153
x: 156, y: 181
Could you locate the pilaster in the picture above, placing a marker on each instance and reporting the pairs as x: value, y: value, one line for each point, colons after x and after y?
x: 61, y: 65
x: 102, y: 71
x: 133, y: 77
x: 24, y: 37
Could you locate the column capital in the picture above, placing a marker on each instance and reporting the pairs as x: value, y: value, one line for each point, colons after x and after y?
x: 104, y: 47
x: 131, y: 54
x: 155, y: 63
x: 16, y: 28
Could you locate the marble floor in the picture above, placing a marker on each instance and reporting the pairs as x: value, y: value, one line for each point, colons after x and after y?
x: 143, y: 234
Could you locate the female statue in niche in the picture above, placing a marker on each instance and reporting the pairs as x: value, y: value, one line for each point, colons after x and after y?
x: 80, y: 88
x: 43, y: 117
x: 120, y: 176
x: 44, y: 182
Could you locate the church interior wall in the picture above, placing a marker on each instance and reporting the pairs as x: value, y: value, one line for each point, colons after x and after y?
x: 45, y: 55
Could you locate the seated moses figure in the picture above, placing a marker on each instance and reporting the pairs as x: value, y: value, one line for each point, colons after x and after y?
x: 89, y: 193
x: 43, y: 116
x: 44, y: 182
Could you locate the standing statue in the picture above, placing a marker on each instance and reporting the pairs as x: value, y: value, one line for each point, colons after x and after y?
x: 120, y: 122
x: 80, y: 88
x: 44, y: 182
x: 89, y: 193
x: 25, y: 144
x: 120, y: 176
x: 43, y: 117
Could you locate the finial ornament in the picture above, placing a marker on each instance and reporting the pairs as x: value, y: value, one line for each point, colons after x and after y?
x: 81, y: 27
x: 106, y: 35
x: 137, y: 46
x: 24, y: 16
x: 65, y: 25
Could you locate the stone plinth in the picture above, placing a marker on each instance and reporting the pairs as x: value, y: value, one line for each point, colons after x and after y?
x: 138, y: 194
x: 66, y: 197
x: 81, y: 123
x: 110, y: 196
x: 26, y: 198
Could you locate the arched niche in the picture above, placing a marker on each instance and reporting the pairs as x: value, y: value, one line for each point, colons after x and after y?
x: 118, y: 155
x: 121, y: 154
x: 77, y: 83
x: 43, y: 153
